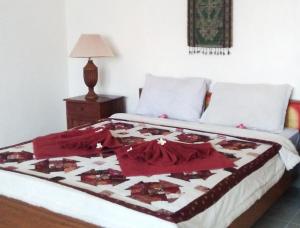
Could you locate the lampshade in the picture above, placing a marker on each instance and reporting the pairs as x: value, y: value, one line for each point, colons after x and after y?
x: 91, y: 46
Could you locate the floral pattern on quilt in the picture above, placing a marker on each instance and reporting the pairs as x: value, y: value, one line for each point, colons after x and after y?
x: 155, y: 191
x: 131, y: 140
x: 61, y: 165
x: 175, y: 197
x: 154, y: 131
x: 19, y: 157
x: 118, y: 126
x: 238, y: 145
x: 103, y: 177
x: 193, y: 138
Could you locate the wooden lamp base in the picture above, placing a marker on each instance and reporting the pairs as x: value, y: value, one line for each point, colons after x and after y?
x: 90, y: 74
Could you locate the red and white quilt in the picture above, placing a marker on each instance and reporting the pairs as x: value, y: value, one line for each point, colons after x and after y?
x: 174, y: 197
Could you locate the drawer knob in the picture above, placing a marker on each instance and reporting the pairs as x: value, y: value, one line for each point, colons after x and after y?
x: 82, y: 108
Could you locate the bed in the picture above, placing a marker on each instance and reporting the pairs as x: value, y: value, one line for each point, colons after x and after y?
x: 31, y: 194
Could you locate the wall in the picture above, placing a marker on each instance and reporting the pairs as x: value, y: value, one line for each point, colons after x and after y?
x: 122, y: 24
x: 33, y: 72
x: 150, y: 36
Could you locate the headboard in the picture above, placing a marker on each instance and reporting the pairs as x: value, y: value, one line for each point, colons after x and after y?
x: 292, y: 117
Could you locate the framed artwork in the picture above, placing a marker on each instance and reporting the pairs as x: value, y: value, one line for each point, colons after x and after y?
x: 210, y: 27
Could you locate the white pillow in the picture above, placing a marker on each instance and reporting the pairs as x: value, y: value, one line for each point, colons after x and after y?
x: 256, y: 106
x: 178, y: 98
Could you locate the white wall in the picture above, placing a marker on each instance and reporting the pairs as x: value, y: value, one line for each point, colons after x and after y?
x: 146, y: 35
x: 150, y: 36
x: 33, y: 72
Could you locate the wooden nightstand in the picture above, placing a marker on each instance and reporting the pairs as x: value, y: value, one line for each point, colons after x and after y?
x: 81, y: 111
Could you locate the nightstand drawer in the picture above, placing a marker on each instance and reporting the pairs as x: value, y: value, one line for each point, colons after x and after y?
x: 81, y: 111
x: 88, y: 110
x: 72, y: 122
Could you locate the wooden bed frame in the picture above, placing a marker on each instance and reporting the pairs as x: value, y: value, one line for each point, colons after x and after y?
x: 14, y: 213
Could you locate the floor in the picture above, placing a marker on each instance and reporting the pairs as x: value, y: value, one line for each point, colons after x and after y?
x: 297, y: 182
x: 285, y: 213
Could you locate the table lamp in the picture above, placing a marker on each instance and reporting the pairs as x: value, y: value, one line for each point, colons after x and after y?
x: 91, y: 46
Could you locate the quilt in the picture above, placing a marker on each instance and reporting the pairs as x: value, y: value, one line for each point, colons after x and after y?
x: 174, y: 197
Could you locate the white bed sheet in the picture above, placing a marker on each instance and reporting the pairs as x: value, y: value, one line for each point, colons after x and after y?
x: 293, y: 135
x: 83, y: 206
x: 289, y: 132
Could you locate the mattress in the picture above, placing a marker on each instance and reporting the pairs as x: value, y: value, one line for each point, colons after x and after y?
x: 81, y: 205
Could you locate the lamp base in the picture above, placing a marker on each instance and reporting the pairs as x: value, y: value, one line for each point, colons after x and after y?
x: 91, y: 96
x: 90, y: 73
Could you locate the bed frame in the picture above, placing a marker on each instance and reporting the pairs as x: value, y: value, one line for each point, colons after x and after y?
x: 14, y: 213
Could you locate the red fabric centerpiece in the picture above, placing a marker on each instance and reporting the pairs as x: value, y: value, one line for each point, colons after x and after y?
x: 73, y: 143
x: 162, y: 156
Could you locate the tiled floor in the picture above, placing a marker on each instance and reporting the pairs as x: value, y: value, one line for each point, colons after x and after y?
x: 297, y: 182
x: 285, y: 213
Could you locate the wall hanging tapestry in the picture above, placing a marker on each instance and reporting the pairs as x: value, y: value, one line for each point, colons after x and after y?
x: 210, y: 27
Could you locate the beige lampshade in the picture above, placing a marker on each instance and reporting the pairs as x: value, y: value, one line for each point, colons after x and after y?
x: 91, y: 46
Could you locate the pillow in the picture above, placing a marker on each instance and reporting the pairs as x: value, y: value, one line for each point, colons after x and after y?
x: 177, y: 98
x: 256, y: 106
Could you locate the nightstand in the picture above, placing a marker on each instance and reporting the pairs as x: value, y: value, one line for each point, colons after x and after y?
x: 81, y: 111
